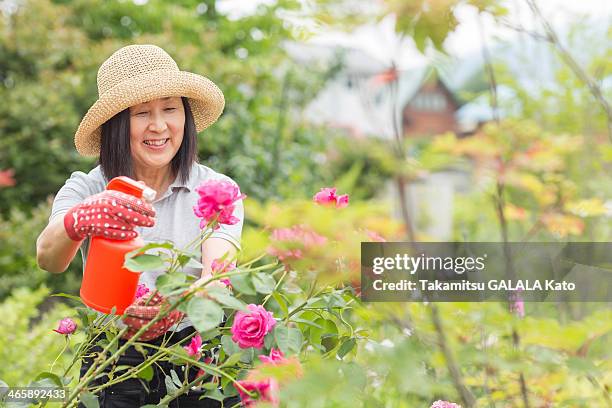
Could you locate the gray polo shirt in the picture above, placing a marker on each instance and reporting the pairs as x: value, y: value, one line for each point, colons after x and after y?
x: 175, y: 219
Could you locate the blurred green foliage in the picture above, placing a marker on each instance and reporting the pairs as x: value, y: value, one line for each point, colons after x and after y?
x: 28, y: 341
x: 18, y: 233
x: 48, y: 81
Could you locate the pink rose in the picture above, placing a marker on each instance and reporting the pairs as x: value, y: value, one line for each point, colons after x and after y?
x: 284, y: 255
x: 193, y: 349
x: 217, y: 199
x: 444, y: 404
x: 276, y: 356
x: 327, y: 196
x: 267, y: 390
x: 141, y: 290
x: 299, y: 234
x: 66, y: 326
x: 6, y: 178
x: 249, y: 329
x: 375, y: 236
x: 517, y: 305
x: 222, y: 267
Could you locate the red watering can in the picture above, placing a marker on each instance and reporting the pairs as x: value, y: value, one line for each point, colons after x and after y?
x: 106, y: 283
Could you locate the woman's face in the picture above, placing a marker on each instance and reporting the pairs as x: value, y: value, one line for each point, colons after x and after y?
x: 156, y: 131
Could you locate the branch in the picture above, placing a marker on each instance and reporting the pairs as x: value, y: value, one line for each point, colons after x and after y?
x: 489, y: 67
x: 595, y: 89
x: 466, y: 395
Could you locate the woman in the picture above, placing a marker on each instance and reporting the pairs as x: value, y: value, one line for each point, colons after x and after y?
x: 143, y: 126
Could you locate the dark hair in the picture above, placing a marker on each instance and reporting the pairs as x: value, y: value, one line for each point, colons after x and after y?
x: 116, y: 156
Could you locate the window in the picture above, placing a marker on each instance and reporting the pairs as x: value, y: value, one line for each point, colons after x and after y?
x: 429, y: 101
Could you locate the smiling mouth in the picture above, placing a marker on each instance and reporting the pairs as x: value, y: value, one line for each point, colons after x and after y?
x: 159, y: 142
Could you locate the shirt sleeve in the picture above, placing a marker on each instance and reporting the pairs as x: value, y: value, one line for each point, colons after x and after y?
x: 232, y: 233
x: 75, y: 190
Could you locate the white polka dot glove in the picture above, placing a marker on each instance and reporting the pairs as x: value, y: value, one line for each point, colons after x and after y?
x: 138, y: 315
x: 110, y: 214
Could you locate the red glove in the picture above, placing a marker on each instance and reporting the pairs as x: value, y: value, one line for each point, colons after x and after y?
x: 110, y: 214
x: 139, y: 315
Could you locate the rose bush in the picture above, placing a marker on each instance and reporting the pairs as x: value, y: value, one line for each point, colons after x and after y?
x: 261, y: 318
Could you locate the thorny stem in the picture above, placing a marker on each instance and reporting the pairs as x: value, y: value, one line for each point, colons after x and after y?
x: 92, y: 372
x: 134, y: 370
x: 60, y: 353
x: 499, y: 197
x: 466, y: 395
x: 499, y: 200
x: 199, y: 364
x: 85, y: 344
x: 263, y: 303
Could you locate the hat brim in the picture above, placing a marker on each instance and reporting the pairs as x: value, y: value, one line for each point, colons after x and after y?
x: 205, y: 100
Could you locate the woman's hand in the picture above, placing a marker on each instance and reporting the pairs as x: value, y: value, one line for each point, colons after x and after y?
x: 138, y: 314
x: 111, y: 214
x: 200, y: 283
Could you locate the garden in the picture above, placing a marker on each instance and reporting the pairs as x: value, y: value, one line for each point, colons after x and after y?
x: 283, y: 324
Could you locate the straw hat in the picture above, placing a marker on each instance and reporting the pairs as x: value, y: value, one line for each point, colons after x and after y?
x: 137, y: 74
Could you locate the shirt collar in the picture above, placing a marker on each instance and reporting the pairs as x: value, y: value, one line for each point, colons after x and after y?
x: 178, y: 184
x: 189, y: 184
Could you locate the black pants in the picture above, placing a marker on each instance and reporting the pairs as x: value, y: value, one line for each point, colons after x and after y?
x: 131, y: 393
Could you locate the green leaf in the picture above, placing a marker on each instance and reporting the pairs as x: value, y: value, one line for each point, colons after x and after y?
x: 269, y: 340
x: 146, y: 373
x: 209, y: 386
x: 306, y: 322
x: 169, y: 283
x: 327, y: 327
x: 247, y: 355
x: 144, y: 262
x: 229, y: 346
x: 346, y: 347
x: 223, y: 296
x: 170, y: 387
x: 183, y: 259
x: 281, y: 303
x: 122, y: 367
x: 243, y: 284
x: 51, y: 376
x: 329, y: 342
x: 89, y: 400
x: 152, y: 245
x: 205, y: 314
x: 334, y: 300
x: 44, y: 382
x: 84, y: 316
x: 288, y: 339
x: 210, y: 334
x: 263, y: 283
x: 232, y: 360
x: 139, y: 348
x: 179, y: 355
x: 175, y: 378
x: 194, y: 263
x: 214, y: 394
x: 229, y: 390
x: 69, y: 296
